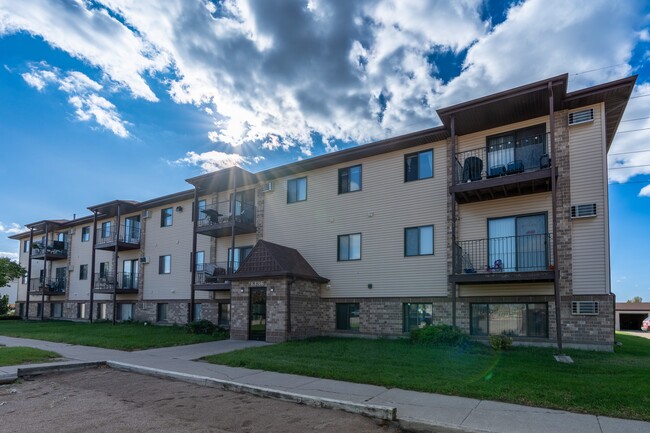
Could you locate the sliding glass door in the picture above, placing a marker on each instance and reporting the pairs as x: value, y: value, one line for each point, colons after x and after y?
x: 518, y: 244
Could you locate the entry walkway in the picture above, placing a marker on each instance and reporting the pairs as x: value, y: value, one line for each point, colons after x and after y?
x: 414, y: 409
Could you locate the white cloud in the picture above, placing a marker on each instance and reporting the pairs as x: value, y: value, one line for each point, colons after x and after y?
x: 645, y: 191
x: 12, y: 228
x: 213, y: 160
x: 12, y: 256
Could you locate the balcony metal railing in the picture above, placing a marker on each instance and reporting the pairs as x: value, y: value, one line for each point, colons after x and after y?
x: 503, y: 159
x: 54, y: 248
x: 48, y: 285
x: 215, y: 273
x: 125, y: 281
x: 222, y: 213
x: 526, y: 253
x: 128, y: 234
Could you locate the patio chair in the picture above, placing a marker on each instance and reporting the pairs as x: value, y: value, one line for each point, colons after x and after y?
x: 472, y: 168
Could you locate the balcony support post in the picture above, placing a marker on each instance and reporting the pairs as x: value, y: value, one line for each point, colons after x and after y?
x: 29, y: 272
x: 453, y: 217
x: 193, y: 263
x: 233, y: 201
x: 44, y: 271
x: 92, y: 267
x: 556, y: 270
x: 115, y: 261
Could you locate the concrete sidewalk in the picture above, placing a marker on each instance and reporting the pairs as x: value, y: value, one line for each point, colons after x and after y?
x: 416, y: 410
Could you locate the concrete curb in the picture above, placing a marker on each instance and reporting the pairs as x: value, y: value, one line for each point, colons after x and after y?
x: 369, y: 410
x: 57, y: 368
x: 419, y: 426
x: 7, y: 378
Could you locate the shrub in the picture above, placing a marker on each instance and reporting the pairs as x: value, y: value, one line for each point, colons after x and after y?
x: 500, y: 342
x: 10, y: 317
x: 442, y: 334
x: 221, y: 333
x: 201, y: 327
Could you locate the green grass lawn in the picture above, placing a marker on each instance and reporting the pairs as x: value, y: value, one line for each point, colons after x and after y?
x: 25, y: 355
x: 123, y: 336
x: 613, y: 384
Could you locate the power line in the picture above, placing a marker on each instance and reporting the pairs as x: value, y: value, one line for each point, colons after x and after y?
x: 633, y: 130
x: 640, y: 96
x: 629, y: 166
x: 599, y: 69
x: 625, y: 183
x: 633, y: 120
x: 626, y: 153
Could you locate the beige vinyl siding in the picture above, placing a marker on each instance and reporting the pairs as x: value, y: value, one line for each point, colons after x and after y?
x: 477, y: 140
x: 23, y: 260
x: 588, y: 183
x: 101, y: 256
x: 80, y: 254
x: 380, y: 212
x: 510, y: 289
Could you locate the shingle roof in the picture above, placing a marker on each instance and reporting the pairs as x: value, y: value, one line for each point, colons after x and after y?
x: 633, y: 306
x: 267, y: 259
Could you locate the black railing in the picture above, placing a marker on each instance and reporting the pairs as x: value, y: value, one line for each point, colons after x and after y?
x: 222, y: 213
x: 526, y: 253
x: 214, y: 273
x: 48, y: 285
x: 54, y: 248
x: 128, y: 233
x: 125, y: 281
x: 503, y: 159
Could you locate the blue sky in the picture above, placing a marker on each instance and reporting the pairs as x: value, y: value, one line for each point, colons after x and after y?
x: 114, y: 99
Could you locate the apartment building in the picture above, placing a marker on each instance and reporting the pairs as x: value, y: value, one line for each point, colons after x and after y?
x: 489, y: 222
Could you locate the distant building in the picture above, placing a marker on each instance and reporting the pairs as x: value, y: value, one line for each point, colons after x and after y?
x: 11, y: 290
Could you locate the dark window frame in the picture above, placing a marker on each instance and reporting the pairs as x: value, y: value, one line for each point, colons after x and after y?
x: 294, y: 181
x: 345, y: 179
x: 105, y: 229
x: 433, y: 241
x: 474, y: 305
x: 406, y: 306
x: 416, y: 155
x: 26, y: 246
x: 83, y: 272
x: 160, y: 307
x: 161, y: 264
x: 338, y: 247
x: 85, y: 234
x: 164, y: 216
x: 344, y: 313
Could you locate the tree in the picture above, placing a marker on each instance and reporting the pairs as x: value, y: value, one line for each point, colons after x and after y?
x: 4, y: 305
x: 635, y: 300
x: 9, y: 271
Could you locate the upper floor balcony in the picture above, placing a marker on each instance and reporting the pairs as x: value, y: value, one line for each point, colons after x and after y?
x: 219, y: 219
x: 126, y: 282
x: 50, y: 250
x: 509, y: 165
x: 214, y: 276
x: 128, y: 238
x: 524, y: 258
x: 47, y: 286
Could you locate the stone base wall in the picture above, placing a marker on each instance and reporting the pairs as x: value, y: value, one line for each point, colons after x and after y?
x: 585, y: 330
x: 305, y: 306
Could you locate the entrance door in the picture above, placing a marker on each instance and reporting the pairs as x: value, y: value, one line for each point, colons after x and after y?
x: 257, y: 314
x: 130, y: 274
x: 132, y: 229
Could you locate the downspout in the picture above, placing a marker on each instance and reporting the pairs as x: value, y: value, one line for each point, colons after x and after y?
x: 115, y: 260
x: 44, y: 272
x: 92, y: 267
x: 453, y: 218
x: 193, y: 261
x: 556, y: 267
x: 29, y: 272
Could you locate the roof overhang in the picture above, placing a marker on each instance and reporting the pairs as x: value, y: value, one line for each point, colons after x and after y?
x: 110, y: 208
x: 223, y: 180
x: 278, y: 274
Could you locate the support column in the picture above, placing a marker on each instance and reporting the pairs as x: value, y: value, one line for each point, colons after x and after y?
x: 44, y: 272
x: 29, y: 272
x: 556, y: 267
x: 193, y: 263
x: 232, y: 222
x: 92, y: 267
x: 115, y: 260
x: 453, y: 217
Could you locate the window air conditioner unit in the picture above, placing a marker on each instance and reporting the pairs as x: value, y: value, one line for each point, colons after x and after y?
x: 144, y: 260
x: 71, y: 231
x: 584, y: 308
x: 583, y: 116
x: 71, y: 268
x: 267, y: 187
x: 583, y: 210
x: 146, y: 214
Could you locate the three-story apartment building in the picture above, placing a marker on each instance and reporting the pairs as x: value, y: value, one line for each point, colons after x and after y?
x: 496, y: 221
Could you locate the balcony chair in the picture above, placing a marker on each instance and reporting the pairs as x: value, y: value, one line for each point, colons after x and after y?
x: 213, y: 273
x: 515, y: 167
x: 472, y: 168
x: 496, y: 171
x: 544, y: 161
x: 498, y: 266
x: 212, y: 215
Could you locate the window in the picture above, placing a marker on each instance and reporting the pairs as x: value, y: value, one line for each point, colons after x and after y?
x: 517, y: 151
x: 102, y: 310
x: 62, y: 237
x: 83, y: 272
x: 296, y: 190
x: 39, y: 309
x: 418, y: 165
x: 106, y: 230
x: 240, y: 254
x: 161, y: 312
x: 125, y: 312
x: 81, y: 310
x: 21, y: 309
x: 417, y: 316
x: 85, y: 234
x: 224, y: 315
x: 26, y: 247
x: 349, y: 247
x: 201, y: 206
x: 165, y: 264
x: 197, y: 312
x: 347, y: 317
x: 56, y: 310
x: 103, y: 269
x: 518, y: 244
x: 166, y: 217
x: 515, y: 320
x: 350, y: 179
x: 418, y: 241
x: 200, y: 260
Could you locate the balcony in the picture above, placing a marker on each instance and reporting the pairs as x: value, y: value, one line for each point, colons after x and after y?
x: 504, y: 168
x: 129, y: 238
x: 127, y: 282
x: 50, y: 250
x: 217, y: 219
x: 523, y: 258
x: 48, y: 286
x: 214, y: 276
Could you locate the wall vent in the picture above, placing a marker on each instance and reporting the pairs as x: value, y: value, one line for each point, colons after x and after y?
x: 267, y: 187
x: 583, y: 210
x: 584, y: 308
x: 146, y: 214
x: 583, y: 116
x: 71, y: 231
